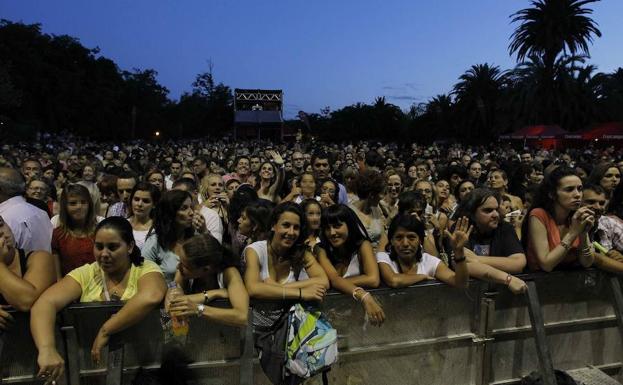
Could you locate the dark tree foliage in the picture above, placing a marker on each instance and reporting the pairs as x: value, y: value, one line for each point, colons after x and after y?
x: 54, y: 83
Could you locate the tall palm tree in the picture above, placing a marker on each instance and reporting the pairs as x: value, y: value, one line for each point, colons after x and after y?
x: 477, y: 99
x: 551, y: 27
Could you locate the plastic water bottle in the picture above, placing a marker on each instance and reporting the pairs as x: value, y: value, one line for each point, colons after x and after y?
x: 179, y: 325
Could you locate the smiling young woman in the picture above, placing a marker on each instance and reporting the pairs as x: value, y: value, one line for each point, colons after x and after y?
x: 282, y: 267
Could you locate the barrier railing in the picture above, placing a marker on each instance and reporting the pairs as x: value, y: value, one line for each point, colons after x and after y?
x: 433, y: 334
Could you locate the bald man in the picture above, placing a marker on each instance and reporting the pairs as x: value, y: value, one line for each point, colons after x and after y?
x: 30, y: 225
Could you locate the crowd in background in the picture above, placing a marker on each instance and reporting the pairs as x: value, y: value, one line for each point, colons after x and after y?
x: 86, y: 221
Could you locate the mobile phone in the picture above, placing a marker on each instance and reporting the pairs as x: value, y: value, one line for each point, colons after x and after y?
x: 515, y: 213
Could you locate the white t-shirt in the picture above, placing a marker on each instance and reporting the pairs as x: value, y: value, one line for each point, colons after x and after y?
x: 261, y: 249
x: 427, y: 266
x: 139, y: 237
x: 213, y: 222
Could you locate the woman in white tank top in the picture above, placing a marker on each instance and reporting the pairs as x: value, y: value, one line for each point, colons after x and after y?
x: 346, y: 255
x: 282, y: 268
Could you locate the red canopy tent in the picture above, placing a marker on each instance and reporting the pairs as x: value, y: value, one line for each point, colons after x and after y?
x: 540, y: 135
x: 605, y: 131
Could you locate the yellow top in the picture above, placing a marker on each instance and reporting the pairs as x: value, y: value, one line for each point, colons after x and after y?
x: 89, y: 277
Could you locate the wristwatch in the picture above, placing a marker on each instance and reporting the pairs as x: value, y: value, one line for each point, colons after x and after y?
x: 200, y: 308
x: 206, y: 299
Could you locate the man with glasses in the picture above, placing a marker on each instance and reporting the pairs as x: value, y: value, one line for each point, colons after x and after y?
x: 31, y: 226
x: 125, y: 184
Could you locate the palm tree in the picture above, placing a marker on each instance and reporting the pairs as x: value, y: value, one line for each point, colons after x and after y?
x: 478, y: 95
x: 551, y: 27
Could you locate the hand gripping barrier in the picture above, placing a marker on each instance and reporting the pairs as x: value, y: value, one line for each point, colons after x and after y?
x: 434, y: 334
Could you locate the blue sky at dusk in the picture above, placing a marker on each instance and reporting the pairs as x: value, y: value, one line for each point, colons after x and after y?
x: 321, y: 53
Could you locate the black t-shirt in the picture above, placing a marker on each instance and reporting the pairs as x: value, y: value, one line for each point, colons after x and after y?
x: 502, y: 242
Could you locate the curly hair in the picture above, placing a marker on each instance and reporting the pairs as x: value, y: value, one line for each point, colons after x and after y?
x: 370, y: 183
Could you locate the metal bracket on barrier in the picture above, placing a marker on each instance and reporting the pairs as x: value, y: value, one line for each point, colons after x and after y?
x: 546, y: 365
x: 114, y: 373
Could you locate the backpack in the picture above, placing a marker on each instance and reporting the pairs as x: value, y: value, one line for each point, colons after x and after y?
x: 311, y: 346
x: 270, y: 335
x: 294, y: 344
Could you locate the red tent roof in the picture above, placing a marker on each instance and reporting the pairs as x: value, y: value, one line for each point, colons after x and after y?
x: 537, y: 132
x: 605, y: 131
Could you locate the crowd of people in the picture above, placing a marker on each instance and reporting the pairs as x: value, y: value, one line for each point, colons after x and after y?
x: 85, y: 221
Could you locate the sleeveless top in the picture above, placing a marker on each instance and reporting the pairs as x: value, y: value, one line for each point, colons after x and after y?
x: 353, y: 268
x: 261, y: 249
x: 23, y: 262
x: 553, y: 240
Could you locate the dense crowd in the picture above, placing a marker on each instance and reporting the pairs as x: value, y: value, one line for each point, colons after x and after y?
x: 85, y: 221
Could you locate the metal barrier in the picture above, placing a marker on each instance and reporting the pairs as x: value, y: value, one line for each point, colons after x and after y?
x: 433, y: 334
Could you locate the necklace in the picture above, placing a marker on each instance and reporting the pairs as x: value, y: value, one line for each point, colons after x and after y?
x: 114, y: 294
x: 275, y: 254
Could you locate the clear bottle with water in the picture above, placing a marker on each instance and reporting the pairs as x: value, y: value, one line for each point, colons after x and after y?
x: 179, y: 325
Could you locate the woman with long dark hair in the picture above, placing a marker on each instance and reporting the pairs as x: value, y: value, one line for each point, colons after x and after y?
x: 174, y: 222
x: 556, y: 230
x: 606, y: 175
x: 143, y: 200
x: 207, y: 272
x: 347, y: 256
x: 282, y: 267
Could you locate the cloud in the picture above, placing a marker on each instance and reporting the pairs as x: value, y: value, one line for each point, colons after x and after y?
x: 403, y: 97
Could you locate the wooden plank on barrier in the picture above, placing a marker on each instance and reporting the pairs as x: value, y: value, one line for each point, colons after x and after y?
x: 546, y: 365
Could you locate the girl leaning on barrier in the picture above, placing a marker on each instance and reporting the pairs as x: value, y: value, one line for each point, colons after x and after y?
x: 282, y: 268
x: 346, y: 255
x: 119, y: 273
x: 23, y: 277
x: 207, y: 272
x: 556, y: 230
x: 405, y: 263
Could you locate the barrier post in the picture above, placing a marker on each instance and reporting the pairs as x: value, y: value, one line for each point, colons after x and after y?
x: 546, y: 365
x: 2, y: 337
x: 615, y: 286
x: 114, y: 372
x: 72, y: 365
x: 485, y: 331
x: 248, y: 352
